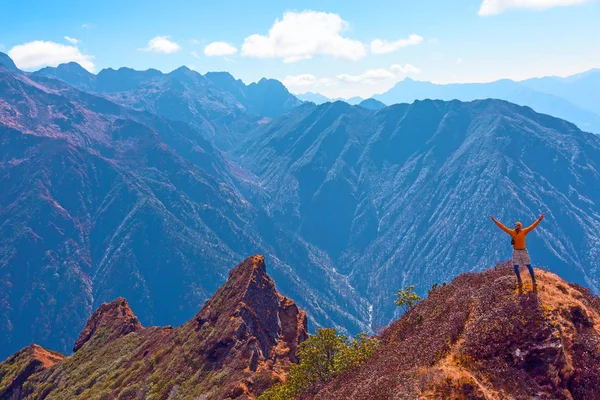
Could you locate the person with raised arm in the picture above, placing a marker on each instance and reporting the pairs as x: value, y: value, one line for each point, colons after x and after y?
x: 520, y: 254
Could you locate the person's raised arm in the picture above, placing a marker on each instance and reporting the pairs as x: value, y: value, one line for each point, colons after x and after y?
x: 536, y: 223
x: 505, y: 229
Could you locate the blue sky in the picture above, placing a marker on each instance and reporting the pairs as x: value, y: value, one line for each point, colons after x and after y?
x: 339, y: 48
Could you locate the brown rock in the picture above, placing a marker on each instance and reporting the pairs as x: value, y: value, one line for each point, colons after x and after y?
x: 15, y: 370
x: 114, y: 319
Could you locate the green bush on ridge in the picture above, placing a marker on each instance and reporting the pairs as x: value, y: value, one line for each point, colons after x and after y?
x: 322, y: 356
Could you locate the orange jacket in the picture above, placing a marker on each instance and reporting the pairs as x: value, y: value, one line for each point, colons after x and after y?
x: 519, y: 237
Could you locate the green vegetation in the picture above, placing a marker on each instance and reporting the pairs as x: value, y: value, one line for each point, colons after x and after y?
x: 434, y: 287
x: 322, y: 356
x: 407, y: 298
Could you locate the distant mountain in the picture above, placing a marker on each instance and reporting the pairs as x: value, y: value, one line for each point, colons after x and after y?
x: 580, y: 89
x: 352, y: 100
x: 216, y: 104
x: 535, y: 94
x: 478, y: 339
x: 403, y: 195
x: 316, y: 98
x: 242, y: 341
x: 99, y: 200
x: 372, y: 104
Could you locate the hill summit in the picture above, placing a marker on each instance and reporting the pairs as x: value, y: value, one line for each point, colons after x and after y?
x: 480, y: 337
x: 242, y: 341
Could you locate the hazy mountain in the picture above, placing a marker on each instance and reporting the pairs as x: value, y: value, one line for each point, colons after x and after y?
x: 580, y: 89
x: 100, y: 201
x: 527, y: 93
x: 352, y: 100
x: 316, y: 98
x: 403, y: 195
x: 216, y: 104
x: 372, y: 104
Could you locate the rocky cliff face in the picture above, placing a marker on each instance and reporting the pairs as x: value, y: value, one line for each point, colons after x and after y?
x: 242, y: 341
x: 113, y: 320
x: 482, y: 338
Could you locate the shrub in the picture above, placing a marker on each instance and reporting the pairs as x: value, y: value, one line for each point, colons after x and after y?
x: 406, y: 298
x: 322, y: 356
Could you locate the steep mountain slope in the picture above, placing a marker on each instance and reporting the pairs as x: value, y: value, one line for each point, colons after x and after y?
x: 402, y: 195
x: 480, y: 338
x: 522, y: 93
x: 100, y: 201
x: 216, y: 103
x: 242, y: 340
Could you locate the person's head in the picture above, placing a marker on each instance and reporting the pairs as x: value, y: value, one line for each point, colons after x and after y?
x: 518, y: 226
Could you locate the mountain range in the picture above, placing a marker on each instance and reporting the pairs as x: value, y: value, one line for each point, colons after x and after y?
x: 100, y: 201
x: 574, y: 98
x: 148, y: 186
x: 478, y: 337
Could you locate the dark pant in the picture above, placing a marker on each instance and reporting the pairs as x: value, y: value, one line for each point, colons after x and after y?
x: 530, y: 268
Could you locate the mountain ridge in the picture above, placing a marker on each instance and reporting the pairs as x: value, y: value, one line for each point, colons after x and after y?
x: 242, y: 340
x: 482, y: 337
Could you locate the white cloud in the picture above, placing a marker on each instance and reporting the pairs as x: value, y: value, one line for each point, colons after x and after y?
x: 494, y: 7
x: 369, y: 77
x: 406, y: 69
x: 41, y: 53
x: 374, y: 76
x: 365, y: 85
x: 379, y: 46
x: 301, y: 35
x: 161, y: 44
x: 216, y: 49
x: 194, y: 54
x: 306, y: 80
x: 71, y: 40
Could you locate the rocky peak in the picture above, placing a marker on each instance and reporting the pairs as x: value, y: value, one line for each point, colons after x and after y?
x: 113, y: 320
x: 242, y: 341
x: 249, y: 296
x: 15, y: 370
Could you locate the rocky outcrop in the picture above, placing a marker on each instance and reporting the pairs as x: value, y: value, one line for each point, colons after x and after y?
x: 112, y: 320
x: 19, y: 367
x: 242, y: 341
x: 482, y: 338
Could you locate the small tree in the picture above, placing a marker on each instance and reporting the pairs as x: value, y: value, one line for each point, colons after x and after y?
x: 407, y: 298
x: 322, y: 356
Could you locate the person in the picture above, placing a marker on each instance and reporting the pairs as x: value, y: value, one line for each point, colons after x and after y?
x: 520, y: 254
